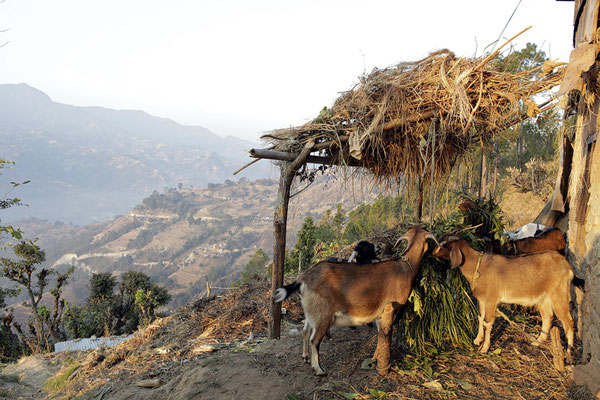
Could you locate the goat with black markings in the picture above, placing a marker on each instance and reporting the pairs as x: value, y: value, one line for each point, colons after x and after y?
x: 364, y: 253
x: 348, y: 294
x: 541, y: 279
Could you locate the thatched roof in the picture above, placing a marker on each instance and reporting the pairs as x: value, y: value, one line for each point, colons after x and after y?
x: 397, y: 120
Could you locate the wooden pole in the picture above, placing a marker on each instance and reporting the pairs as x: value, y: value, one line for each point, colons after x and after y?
x: 419, y: 199
x: 431, y: 187
x: 496, y: 162
x: 483, y: 171
x: 558, y: 355
x: 288, y: 171
x: 285, y: 156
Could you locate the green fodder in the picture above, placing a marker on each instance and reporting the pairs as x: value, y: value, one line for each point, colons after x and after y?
x: 441, y: 311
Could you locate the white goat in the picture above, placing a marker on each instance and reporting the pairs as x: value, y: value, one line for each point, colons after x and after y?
x: 541, y: 279
x: 349, y: 294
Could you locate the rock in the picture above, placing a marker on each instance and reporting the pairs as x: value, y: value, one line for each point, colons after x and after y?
x: 149, y: 383
x: 93, y: 358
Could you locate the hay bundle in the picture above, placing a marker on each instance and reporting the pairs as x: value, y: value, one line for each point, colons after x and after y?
x: 399, y: 120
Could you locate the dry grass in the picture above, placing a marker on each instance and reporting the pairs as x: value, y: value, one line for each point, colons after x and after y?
x: 399, y: 120
x: 512, y: 370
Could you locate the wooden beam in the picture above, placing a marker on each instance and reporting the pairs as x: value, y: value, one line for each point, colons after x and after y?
x: 545, y: 106
x: 288, y: 171
x: 331, y: 143
x: 285, y: 156
x: 397, y: 122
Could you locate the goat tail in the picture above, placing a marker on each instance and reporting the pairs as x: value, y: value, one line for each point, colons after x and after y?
x: 286, y: 291
x: 580, y: 283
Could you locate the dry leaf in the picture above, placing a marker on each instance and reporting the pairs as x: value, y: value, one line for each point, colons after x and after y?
x: 435, y: 385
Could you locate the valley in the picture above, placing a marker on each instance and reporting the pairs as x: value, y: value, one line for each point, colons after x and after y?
x: 185, y: 238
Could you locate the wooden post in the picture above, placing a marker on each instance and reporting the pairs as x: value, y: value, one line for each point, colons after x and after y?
x: 483, y: 176
x: 288, y: 171
x: 496, y: 162
x: 432, y: 177
x: 419, y: 199
x: 558, y: 356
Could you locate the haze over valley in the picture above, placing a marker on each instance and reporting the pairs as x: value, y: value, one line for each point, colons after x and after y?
x: 90, y: 164
x: 112, y: 191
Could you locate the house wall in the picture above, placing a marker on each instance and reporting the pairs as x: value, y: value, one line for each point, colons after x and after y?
x: 585, y: 252
x: 584, y: 201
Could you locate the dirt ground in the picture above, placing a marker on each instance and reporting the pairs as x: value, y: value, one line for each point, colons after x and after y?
x: 216, y: 349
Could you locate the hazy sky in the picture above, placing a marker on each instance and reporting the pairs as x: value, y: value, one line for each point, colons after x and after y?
x: 244, y: 67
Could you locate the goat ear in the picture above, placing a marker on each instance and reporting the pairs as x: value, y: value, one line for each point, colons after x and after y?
x: 456, y: 257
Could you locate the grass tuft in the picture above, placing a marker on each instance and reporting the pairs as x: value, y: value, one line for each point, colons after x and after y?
x: 55, y: 384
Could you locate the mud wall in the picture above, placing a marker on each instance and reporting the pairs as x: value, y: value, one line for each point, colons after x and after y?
x: 584, y: 241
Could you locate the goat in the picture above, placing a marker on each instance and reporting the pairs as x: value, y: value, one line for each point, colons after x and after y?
x: 541, y: 279
x: 549, y: 239
x: 528, y: 230
x: 364, y: 252
x: 349, y: 295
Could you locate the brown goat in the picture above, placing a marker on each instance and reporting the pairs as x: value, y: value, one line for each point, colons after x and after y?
x: 349, y: 295
x: 540, y: 279
x: 549, y: 239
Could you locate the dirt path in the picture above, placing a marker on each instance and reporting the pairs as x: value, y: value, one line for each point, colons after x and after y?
x: 269, y: 370
x: 172, y: 353
x: 25, y: 379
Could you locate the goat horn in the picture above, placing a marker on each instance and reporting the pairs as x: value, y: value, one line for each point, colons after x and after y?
x: 352, y: 256
x: 398, y: 241
x: 432, y: 236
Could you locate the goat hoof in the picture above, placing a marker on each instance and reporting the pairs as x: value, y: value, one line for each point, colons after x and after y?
x: 536, y: 343
x: 483, y: 349
x: 321, y: 373
x: 306, y: 360
x: 477, y: 342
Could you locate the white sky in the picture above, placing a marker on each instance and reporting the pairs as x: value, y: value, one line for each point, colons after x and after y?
x: 244, y: 67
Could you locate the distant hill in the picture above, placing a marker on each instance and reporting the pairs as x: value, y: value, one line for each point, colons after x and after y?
x: 185, y: 238
x: 90, y: 164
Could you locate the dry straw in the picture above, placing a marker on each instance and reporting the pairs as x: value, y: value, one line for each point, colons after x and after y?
x: 396, y: 121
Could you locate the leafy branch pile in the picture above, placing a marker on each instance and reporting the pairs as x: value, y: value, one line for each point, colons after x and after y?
x: 440, y: 310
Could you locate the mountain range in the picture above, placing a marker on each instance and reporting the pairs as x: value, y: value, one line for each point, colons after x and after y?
x: 88, y: 164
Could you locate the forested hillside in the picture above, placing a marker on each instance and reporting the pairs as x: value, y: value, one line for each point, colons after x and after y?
x: 184, y: 238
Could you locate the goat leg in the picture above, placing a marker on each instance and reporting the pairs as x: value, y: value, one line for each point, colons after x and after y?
x: 479, y: 337
x: 545, y: 309
x: 488, y: 322
x: 384, y: 339
x: 315, y: 342
x: 306, y: 332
